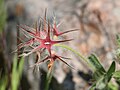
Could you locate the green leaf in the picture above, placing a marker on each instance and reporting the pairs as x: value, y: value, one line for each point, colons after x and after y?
x: 100, y: 84
x: 116, y: 74
x: 110, y: 71
x: 112, y: 86
x: 117, y: 53
x: 103, y: 80
x: 96, y: 64
x: 118, y: 39
x: 93, y: 87
x: 118, y: 81
x: 99, y: 70
x: 98, y: 74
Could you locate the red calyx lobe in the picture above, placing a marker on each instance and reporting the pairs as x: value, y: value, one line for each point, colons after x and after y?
x: 57, y: 33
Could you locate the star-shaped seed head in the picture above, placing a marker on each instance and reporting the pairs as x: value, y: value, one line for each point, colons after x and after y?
x: 41, y: 39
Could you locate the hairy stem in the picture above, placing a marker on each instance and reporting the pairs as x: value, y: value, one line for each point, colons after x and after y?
x: 77, y: 53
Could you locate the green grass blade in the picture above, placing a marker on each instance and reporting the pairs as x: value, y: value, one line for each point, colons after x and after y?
x: 3, y: 83
x: 16, y: 73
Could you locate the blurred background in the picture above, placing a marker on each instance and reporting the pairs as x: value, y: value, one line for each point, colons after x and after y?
x: 98, y: 22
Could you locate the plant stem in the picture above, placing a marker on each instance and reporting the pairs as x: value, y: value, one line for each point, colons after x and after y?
x: 77, y: 53
x: 49, y: 77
